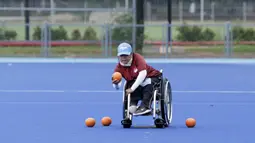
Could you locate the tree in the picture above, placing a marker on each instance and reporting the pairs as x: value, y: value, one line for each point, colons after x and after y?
x: 139, y: 29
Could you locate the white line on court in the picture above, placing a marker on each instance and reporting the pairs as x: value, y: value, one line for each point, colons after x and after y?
x: 120, y: 103
x: 114, y: 91
x: 38, y: 102
x: 35, y: 91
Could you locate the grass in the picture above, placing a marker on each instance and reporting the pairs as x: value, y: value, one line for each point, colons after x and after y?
x: 220, y: 49
x: 53, y: 51
x: 94, y: 51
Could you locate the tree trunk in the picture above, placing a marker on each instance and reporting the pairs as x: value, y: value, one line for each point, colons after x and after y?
x: 139, y: 29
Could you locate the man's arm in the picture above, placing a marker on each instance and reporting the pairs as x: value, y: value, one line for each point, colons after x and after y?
x: 141, y: 67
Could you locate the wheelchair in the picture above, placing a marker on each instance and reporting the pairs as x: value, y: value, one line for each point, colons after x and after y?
x: 162, y: 108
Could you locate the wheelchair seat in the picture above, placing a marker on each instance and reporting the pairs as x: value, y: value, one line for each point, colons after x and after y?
x: 158, y: 85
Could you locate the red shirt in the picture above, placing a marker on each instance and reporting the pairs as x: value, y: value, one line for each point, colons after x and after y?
x: 138, y: 64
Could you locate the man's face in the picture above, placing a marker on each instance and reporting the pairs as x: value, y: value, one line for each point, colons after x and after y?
x: 125, y: 58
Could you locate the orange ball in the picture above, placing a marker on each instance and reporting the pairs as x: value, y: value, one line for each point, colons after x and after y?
x: 190, y: 122
x: 106, y: 121
x: 90, y: 122
x: 116, y: 76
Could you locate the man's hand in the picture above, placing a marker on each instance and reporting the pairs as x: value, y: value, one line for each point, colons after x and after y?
x: 129, y: 91
x: 115, y: 81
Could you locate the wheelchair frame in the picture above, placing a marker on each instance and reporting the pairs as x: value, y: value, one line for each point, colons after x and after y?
x: 162, y: 96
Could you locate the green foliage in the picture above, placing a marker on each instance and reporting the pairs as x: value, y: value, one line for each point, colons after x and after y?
x: 2, y: 34
x: 37, y: 33
x: 122, y: 33
x: 249, y: 34
x: 194, y: 33
x: 243, y: 34
x: 59, y: 33
x: 76, y: 34
x: 8, y: 34
x: 208, y: 34
x: 90, y: 34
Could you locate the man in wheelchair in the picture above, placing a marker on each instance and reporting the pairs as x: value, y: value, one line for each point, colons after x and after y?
x: 139, y: 77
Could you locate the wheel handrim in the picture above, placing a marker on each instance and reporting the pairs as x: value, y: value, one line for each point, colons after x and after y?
x: 168, y: 104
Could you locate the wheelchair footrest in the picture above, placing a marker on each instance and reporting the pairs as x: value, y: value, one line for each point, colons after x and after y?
x: 150, y: 113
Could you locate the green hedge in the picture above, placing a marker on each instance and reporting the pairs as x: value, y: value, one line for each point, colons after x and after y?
x: 243, y: 34
x: 61, y: 33
x: 184, y: 33
x: 6, y: 34
x: 194, y: 33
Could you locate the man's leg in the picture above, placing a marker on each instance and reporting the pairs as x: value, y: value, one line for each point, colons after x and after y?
x: 133, y: 106
x: 144, y: 108
x: 135, y: 97
x: 147, y: 92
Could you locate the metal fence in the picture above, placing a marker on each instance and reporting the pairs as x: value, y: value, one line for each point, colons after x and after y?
x: 56, y: 11
x: 154, y: 10
x: 100, y: 40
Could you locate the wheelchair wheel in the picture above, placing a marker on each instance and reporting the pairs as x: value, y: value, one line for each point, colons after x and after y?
x: 166, y: 102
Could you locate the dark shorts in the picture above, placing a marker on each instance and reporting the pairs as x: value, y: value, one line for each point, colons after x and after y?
x: 143, y: 93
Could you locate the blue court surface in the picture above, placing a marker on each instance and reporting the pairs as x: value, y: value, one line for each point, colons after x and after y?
x: 48, y: 103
